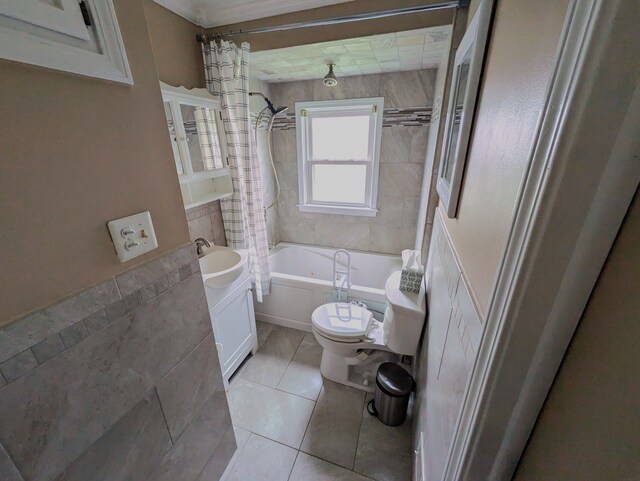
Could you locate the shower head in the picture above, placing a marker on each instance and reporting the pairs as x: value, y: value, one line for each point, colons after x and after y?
x: 330, y: 79
x: 273, y: 110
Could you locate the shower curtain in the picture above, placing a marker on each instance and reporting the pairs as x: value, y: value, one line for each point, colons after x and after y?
x: 227, y: 77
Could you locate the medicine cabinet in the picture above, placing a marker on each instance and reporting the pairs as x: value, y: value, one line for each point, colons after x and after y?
x: 196, y: 132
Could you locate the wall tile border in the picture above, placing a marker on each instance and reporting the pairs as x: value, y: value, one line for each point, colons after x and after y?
x: 152, y: 279
x: 400, y: 117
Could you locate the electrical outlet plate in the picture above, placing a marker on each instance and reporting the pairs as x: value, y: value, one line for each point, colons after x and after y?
x: 133, y: 236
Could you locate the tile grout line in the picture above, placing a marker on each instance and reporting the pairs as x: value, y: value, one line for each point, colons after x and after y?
x: 293, y: 465
x: 279, y: 390
x: 269, y: 439
x: 362, y: 410
x: 315, y: 405
x: 283, y: 372
x: 337, y: 465
x: 289, y: 364
x: 164, y: 417
x: 213, y: 454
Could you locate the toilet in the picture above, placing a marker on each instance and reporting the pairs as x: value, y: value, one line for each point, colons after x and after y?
x: 354, y: 344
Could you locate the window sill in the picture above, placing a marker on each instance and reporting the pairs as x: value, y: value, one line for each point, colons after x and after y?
x: 332, y: 209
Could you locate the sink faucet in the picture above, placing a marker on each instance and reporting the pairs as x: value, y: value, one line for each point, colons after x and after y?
x: 200, y: 242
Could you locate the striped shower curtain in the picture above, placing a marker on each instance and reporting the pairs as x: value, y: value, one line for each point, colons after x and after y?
x: 227, y: 77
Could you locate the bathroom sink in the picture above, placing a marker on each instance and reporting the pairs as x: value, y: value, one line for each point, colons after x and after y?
x: 220, y: 266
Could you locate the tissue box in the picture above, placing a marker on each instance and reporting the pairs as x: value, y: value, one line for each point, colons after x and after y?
x: 412, y: 271
x: 410, y: 281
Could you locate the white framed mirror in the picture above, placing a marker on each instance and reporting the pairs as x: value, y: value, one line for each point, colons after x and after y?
x: 198, y: 142
x: 465, y: 81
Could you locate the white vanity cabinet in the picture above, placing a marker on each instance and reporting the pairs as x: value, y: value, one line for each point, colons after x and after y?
x: 196, y: 132
x: 234, y: 323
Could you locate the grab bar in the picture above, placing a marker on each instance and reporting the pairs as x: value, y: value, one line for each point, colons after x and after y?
x: 341, y: 277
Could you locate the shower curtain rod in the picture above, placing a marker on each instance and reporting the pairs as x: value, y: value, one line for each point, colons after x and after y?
x: 336, y: 20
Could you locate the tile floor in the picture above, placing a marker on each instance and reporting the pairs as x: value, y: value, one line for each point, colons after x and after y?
x: 292, y: 425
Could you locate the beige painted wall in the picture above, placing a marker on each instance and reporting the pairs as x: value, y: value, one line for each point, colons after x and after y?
x: 473, y: 6
x: 179, y: 62
x: 519, y: 63
x: 177, y: 54
x: 588, y: 427
x: 75, y: 153
x: 305, y: 36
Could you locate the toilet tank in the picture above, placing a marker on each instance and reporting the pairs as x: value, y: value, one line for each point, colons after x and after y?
x: 404, y: 317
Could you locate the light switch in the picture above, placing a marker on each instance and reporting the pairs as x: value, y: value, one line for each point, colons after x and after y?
x: 133, y: 235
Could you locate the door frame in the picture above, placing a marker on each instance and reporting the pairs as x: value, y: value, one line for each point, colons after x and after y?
x: 582, y: 174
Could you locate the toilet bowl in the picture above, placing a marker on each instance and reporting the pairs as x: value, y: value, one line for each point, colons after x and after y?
x: 354, y: 344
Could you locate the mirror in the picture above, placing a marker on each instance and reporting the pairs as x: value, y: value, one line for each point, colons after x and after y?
x: 462, y: 99
x: 201, y: 133
x: 460, y: 89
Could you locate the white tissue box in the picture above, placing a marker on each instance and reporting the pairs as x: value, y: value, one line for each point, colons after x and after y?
x: 410, y: 281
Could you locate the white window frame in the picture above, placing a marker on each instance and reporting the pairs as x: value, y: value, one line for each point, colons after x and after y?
x: 307, y: 110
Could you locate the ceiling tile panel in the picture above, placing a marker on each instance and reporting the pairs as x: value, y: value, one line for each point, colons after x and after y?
x: 393, y: 52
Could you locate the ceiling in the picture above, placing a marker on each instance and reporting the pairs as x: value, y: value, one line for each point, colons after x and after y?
x: 212, y: 13
x: 391, y: 52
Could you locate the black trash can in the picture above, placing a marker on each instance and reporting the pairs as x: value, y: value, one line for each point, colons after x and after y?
x: 393, y: 388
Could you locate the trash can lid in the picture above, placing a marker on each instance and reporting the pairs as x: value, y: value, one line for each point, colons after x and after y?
x: 393, y: 380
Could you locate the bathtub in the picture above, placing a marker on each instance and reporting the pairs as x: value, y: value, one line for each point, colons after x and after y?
x: 301, y: 280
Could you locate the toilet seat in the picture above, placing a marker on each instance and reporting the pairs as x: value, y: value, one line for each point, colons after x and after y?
x: 342, y: 322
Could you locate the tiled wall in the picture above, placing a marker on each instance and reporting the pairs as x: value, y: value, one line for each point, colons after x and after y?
x: 449, y: 349
x: 119, y: 382
x: 206, y: 221
x: 402, y: 153
x: 256, y: 104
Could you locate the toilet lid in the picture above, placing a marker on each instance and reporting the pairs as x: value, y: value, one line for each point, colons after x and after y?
x: 342, y: 320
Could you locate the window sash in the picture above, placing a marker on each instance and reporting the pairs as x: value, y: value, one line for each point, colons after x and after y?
x: 373, y: 109
x: 368, y: 185
x: 341, y: 113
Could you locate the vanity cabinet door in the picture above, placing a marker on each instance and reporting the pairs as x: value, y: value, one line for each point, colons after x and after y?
x: 234, y: 327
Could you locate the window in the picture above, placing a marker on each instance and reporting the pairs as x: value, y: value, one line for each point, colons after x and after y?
x: 338, y: 152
